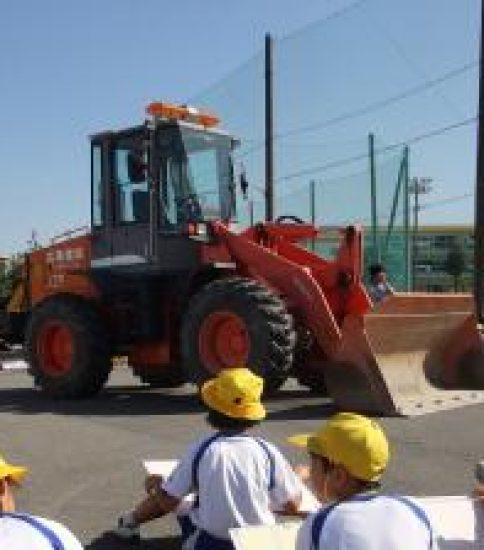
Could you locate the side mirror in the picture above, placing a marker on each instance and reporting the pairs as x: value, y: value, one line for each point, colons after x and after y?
x: 136, y: 168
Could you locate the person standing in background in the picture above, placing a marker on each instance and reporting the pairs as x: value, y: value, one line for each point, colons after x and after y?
x: 379, y: 287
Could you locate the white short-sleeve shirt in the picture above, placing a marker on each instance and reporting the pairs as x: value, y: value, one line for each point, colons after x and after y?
x: 381, y: 523
x: 17, y: 534
x: 233, y: 483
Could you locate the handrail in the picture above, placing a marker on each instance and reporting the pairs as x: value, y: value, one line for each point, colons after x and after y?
x: 69, y: 233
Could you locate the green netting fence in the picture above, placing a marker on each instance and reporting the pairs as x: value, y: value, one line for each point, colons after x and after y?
x: 340, y: 79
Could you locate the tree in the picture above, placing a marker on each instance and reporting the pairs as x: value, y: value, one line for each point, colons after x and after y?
x: 4, y: 283
x: 455, y: 263
x: 10, y: 274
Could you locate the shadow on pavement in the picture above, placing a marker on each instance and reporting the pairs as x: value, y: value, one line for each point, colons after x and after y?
x: 289, y: 393
x: 316, y: 410
x: 445, y: 544
x: 118, y: 401
x: 138, y: 400
x: 108, y: 541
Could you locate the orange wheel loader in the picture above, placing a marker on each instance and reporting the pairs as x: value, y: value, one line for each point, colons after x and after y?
x: 164, y: 277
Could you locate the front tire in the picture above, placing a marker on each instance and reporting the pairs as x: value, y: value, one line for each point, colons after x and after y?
x: 313, y: 380
x: 307, y: 375
x: 233, y: 322
x: 68, y: 348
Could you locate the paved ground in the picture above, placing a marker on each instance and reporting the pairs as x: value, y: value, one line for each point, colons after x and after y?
x: 85, y: 457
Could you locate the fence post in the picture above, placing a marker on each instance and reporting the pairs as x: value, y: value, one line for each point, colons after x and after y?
x: 406, y: 218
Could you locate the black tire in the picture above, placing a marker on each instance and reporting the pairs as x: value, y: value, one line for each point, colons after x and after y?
x: 472, y: 368
x: 302, y: 371
x: 90, y: 362
x: 269, y: 327
x: 312, y: 380
x: 171, y: 376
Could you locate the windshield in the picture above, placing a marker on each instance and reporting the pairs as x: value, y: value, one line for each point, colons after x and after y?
x: 196, y: 176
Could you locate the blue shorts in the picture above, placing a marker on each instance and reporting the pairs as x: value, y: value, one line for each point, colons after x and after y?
x: 204, y: 540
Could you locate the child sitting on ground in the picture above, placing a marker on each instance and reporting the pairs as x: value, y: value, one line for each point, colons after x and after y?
x: 348, y: 456
x: 238, y: 479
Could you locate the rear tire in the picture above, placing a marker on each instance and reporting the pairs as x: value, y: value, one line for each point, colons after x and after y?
x: 233, y: 322
x: 68, y: 348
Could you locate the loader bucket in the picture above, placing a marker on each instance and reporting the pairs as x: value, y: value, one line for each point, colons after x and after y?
x: 413, y: 354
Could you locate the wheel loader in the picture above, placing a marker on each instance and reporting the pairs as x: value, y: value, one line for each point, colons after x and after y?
x: 164, y: 277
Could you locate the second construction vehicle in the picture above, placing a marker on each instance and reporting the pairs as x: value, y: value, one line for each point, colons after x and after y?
x: 163, y: 277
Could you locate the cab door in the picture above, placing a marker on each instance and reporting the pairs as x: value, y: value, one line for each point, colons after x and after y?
x: 130, y: 237
x: 101, y: 216
x: 126, y: 217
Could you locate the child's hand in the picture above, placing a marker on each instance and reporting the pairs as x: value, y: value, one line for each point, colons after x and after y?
x: 153, y: 484
x: 478, y: 492
x: 303, y: 472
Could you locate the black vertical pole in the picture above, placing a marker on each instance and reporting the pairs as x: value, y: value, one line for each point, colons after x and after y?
x: 269, y: 131
x: 479, y: 207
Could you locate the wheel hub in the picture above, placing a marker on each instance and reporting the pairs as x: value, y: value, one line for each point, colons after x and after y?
x: 55, y: 348
x: 224, y: 341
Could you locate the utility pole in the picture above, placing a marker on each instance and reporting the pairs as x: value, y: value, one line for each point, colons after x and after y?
x: 269, y: 111
x: 312, y: 208
x: 418, y: 186
x: 479, y: 207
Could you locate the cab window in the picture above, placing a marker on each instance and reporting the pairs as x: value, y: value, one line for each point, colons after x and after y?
x: 132, y: 195
x: 97, y: 206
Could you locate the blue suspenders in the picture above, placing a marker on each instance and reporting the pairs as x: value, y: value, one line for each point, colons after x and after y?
x: 318, y: 523
x: 322, y: 515
x: 198, y: 457
x: 45, y: 531
x: 206, y: 541
x: 204, y: 446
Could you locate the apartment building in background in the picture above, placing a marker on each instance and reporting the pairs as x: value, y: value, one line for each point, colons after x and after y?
x: 427, y: 268
x: 433, y: 245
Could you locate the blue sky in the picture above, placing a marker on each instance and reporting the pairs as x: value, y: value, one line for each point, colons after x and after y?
x: 70, y: 69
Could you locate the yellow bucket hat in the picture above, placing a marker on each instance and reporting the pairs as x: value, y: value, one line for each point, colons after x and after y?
x: 17, y: 473
x: 235, y: 393
x: 352, y: 440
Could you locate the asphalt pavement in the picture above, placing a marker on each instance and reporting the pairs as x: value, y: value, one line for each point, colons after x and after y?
x: 86, y: 457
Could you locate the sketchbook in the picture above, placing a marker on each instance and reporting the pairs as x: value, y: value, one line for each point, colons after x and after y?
x: 458, y: 522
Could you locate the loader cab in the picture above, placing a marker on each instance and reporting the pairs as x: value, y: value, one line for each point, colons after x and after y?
x: 151, y: 184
